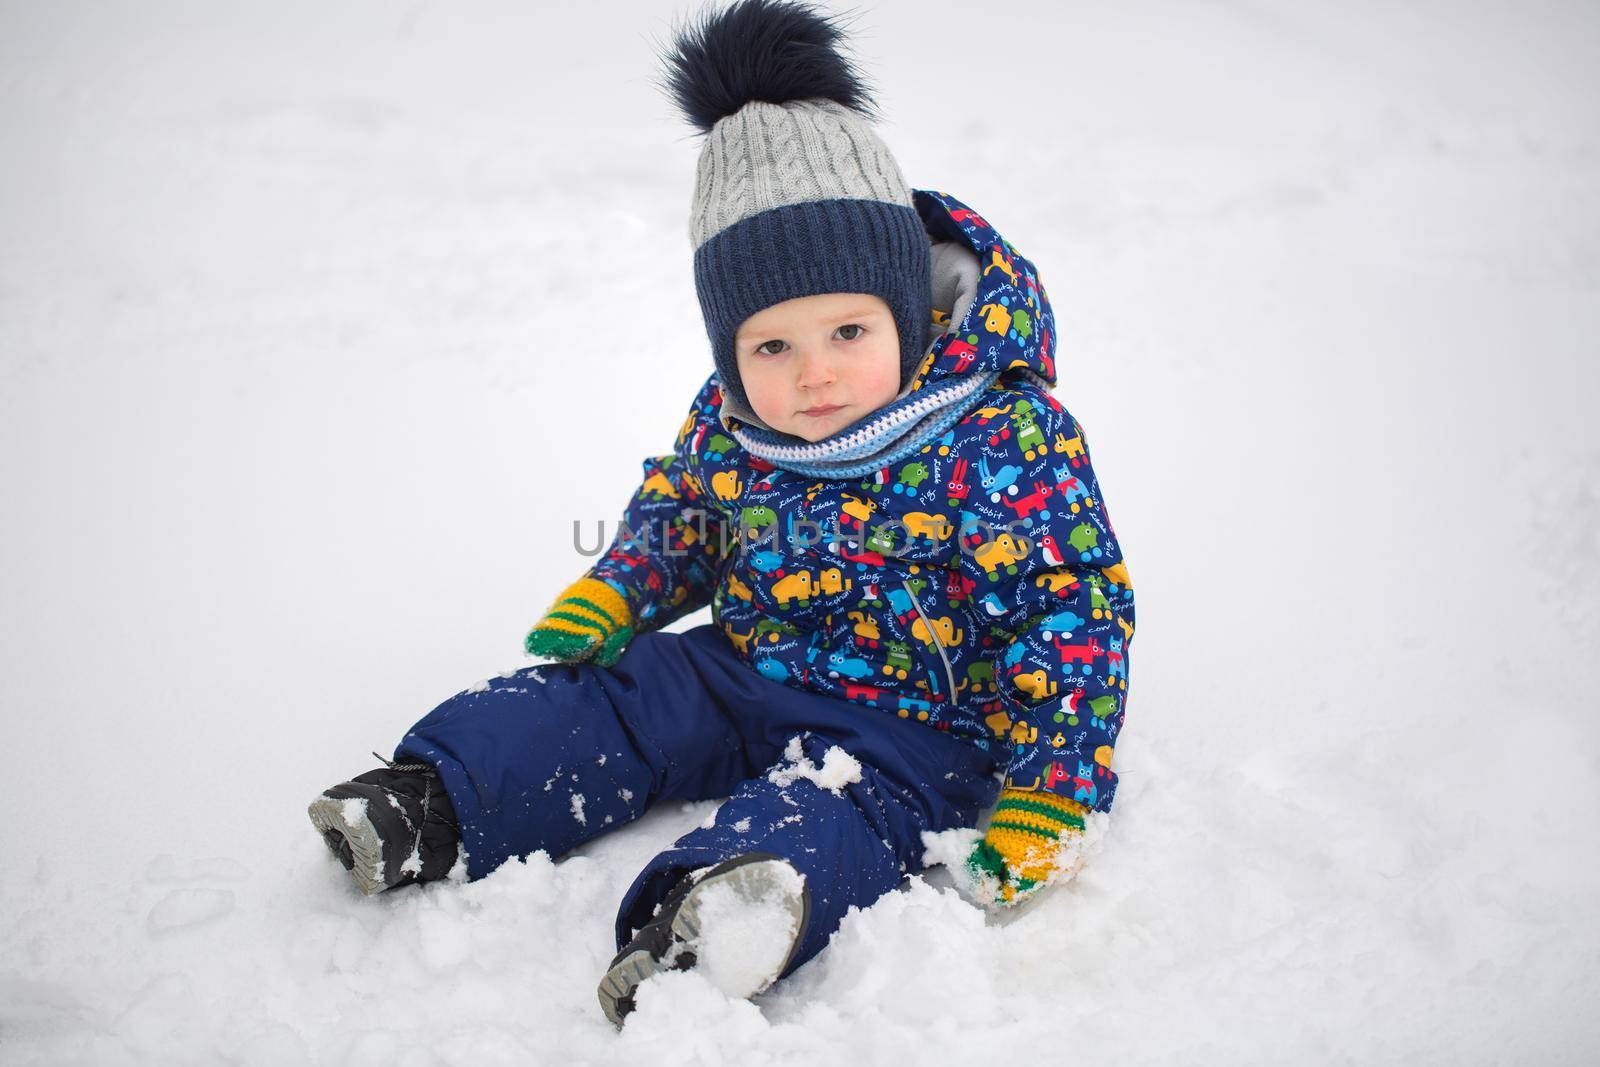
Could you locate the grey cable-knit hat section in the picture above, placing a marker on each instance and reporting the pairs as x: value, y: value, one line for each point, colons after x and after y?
x: 771, y: 155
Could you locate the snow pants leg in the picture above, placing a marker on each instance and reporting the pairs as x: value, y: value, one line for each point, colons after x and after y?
x: 551, y: 756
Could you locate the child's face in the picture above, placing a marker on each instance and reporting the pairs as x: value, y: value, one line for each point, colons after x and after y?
x: 813, y: 365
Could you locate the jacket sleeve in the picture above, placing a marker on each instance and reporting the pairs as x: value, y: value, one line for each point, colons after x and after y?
x: 1063, y: 614
x: 667, y: 554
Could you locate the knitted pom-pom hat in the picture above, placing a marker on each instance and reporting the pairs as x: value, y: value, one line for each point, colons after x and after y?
x: 794, y: 194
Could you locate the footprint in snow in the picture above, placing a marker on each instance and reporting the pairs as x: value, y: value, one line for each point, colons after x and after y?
x: 182, y: 909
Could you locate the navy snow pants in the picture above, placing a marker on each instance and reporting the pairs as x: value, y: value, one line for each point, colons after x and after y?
x: 552, y: 756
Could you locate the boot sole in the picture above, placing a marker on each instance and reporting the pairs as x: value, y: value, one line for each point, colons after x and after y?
x: 753, y: 877
x: 370, y: 868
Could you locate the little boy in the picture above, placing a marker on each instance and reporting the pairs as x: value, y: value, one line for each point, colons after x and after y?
x: 913, y: 580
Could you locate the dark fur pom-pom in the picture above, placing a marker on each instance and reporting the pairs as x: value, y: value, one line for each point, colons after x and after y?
x: 772, y: 50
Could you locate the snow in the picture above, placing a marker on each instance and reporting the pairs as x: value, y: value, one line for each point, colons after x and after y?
x: 301, y: 311
x: 746, y: 930
x: 838, y: 769
x: 183, y: 908
x: 353, y: 810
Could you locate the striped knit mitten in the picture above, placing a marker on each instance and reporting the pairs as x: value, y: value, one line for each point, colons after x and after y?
x: 1018, y: 853
x: 588, y: 622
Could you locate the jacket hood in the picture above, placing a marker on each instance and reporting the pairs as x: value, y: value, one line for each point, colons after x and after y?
x: 999, y: 318
x: 990, y: 313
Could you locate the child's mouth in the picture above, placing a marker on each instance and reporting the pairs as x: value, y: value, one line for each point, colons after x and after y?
x: 826, y: 409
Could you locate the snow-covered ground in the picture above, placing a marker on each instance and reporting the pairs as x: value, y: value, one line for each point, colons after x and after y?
x: 320, y: 323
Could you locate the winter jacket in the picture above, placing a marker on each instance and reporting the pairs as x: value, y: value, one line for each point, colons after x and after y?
x: 975, y: 586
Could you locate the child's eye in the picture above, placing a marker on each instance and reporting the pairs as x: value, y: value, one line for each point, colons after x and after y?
x: 855, y: 330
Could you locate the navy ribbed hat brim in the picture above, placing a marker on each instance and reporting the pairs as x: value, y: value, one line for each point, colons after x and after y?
x: 808, y: 249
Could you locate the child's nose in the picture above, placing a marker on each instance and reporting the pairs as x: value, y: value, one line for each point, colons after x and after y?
x: 816, y: 370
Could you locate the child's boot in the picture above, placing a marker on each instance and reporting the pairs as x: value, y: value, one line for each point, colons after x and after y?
x: 739, y: 923
x: 389, y: 827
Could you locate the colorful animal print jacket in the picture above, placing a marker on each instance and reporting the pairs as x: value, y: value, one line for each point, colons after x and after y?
x: 976, y: 586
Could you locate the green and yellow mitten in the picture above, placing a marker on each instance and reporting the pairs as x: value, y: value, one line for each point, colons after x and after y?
x: 1018, y: 854
x: 589, y: 622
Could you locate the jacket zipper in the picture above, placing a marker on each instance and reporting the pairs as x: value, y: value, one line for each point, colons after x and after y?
x: 949, y: 674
